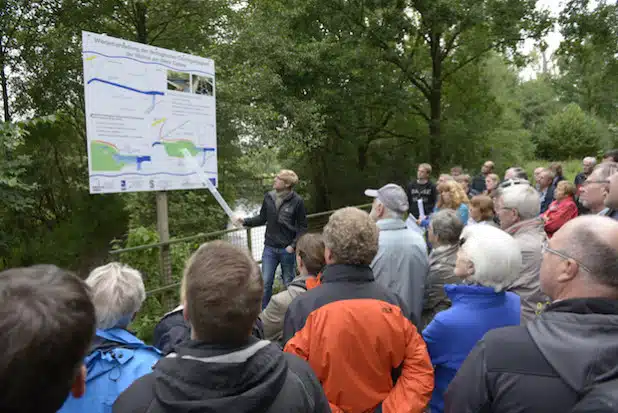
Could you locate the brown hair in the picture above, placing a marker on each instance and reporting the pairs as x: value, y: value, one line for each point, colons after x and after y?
x: 462, y: 178
x: 458, y: 196
x: 48, y: 323
x: 223, y: 293
x: 310, y: 249
x: 568, y: 188
x: 352, y: 237
x: 485, y: 205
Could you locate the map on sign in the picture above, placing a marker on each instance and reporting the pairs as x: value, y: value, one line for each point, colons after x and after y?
x: 144, y: 106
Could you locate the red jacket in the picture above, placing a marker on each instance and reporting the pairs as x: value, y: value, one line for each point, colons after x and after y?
x: 558, y: 214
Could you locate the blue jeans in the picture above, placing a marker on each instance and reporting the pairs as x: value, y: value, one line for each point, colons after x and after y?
x: 271, y: 258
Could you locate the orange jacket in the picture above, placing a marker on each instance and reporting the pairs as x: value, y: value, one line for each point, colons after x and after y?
x: 355, y: 337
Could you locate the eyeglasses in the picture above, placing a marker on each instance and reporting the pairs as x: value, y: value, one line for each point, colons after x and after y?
x: 545, y: 248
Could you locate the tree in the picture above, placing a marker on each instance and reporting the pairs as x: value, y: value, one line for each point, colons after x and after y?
x: 431, y: 41
x: 587, y: 56
x: 571, y: 133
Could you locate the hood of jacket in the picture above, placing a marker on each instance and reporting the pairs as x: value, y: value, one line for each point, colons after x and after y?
x: 579, y: 339
x: 209, y: 378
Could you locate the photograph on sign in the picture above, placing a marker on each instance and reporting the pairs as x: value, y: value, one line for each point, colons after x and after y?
x: 144, y: 106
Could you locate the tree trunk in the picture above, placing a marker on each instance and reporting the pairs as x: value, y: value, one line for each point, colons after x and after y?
x: 5, y: 86
x: 435, y: 104
x: 140, y: 22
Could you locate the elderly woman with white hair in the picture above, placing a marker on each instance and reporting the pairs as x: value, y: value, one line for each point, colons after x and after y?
x: 488, y: 261
x: 116, y: 358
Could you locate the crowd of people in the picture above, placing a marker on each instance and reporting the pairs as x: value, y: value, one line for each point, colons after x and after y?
x: 473, y: 294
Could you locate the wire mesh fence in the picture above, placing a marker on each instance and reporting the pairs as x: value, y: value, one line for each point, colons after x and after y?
x: 156, y: 260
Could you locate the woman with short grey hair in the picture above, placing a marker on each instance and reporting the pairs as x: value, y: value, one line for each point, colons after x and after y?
x: 488, y: 261
x: 117, y: 293
x: 116, y: 358
x: 444, y: 231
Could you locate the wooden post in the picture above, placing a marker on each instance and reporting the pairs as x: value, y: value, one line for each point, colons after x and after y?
x: 164, y: 253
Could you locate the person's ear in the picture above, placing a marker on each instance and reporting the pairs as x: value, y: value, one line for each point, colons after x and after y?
x: 185, y: 312
x: 571, y: 268
x: 470, y: 268
x: 78, y: 388
x: 328, y: 255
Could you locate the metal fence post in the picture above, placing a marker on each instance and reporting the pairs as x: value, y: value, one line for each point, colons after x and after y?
x: 249, y: 241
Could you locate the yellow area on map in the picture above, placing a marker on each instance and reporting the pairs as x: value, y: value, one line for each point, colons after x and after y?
x: 91, y: 58
x: 156, y: 122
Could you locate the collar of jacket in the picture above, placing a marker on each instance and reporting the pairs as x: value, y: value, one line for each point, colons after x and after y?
x: 218, y: 353
x: 534, y: 224
x: 287, y: 196
x: 457, y: 292
x: 391, y: 224
x: 118, y: 335
x: 439, y: 253
x: 348, y: 273
x: 592, y: 305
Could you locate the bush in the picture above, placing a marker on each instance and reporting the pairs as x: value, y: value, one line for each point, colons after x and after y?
x: 571, y: 133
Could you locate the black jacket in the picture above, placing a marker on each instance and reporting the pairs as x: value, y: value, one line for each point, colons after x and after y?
x: 258, y: 377
x: 284, y: 225
x: 173, y: 330
x: 478, y: 184
x: 427, y: 192
x: 545, y: 366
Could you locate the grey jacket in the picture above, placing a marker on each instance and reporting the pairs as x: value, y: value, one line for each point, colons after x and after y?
x: 401, y: 265
x: 441, y: 271
x: 274, y: 314
x: 530, y: 235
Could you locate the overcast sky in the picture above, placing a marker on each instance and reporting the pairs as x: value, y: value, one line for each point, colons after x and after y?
x: 553, y: 38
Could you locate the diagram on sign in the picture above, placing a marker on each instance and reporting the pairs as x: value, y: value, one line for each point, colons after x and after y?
x: 144, y: 107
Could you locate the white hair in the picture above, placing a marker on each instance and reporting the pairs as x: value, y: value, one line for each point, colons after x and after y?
x: 590, y: 159
x: 523, y: 198
x: 117, y: 293
x: 389, y: 213
x: 495, y: 254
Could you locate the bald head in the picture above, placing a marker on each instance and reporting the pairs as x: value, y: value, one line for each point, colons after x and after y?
x: 593, y: 240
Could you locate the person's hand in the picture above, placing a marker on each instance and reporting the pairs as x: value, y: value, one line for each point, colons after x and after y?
x: 289, y: 249
x: 238, y: 221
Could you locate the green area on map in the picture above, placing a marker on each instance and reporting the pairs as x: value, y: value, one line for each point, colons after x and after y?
x: 102, y: 157
x: 175, y: 148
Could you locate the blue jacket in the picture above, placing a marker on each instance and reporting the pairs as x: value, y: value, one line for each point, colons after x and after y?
x: 117, y: 359
x: 454, y: 332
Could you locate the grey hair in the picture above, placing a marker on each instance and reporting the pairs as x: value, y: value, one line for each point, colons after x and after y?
x: 590, y: 159
x: 446, y: 226
x: 117, y: 293
x: 523, y: 198
x: 606, y: 169
x: 495, y: 254
x: 548, y: 171
x: 389, y: 213
x: 595, y: 254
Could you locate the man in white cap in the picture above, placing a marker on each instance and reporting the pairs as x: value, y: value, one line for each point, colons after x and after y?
x: 401, y: 264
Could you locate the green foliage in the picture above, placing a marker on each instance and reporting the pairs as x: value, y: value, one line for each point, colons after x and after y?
x: 571, y: 133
